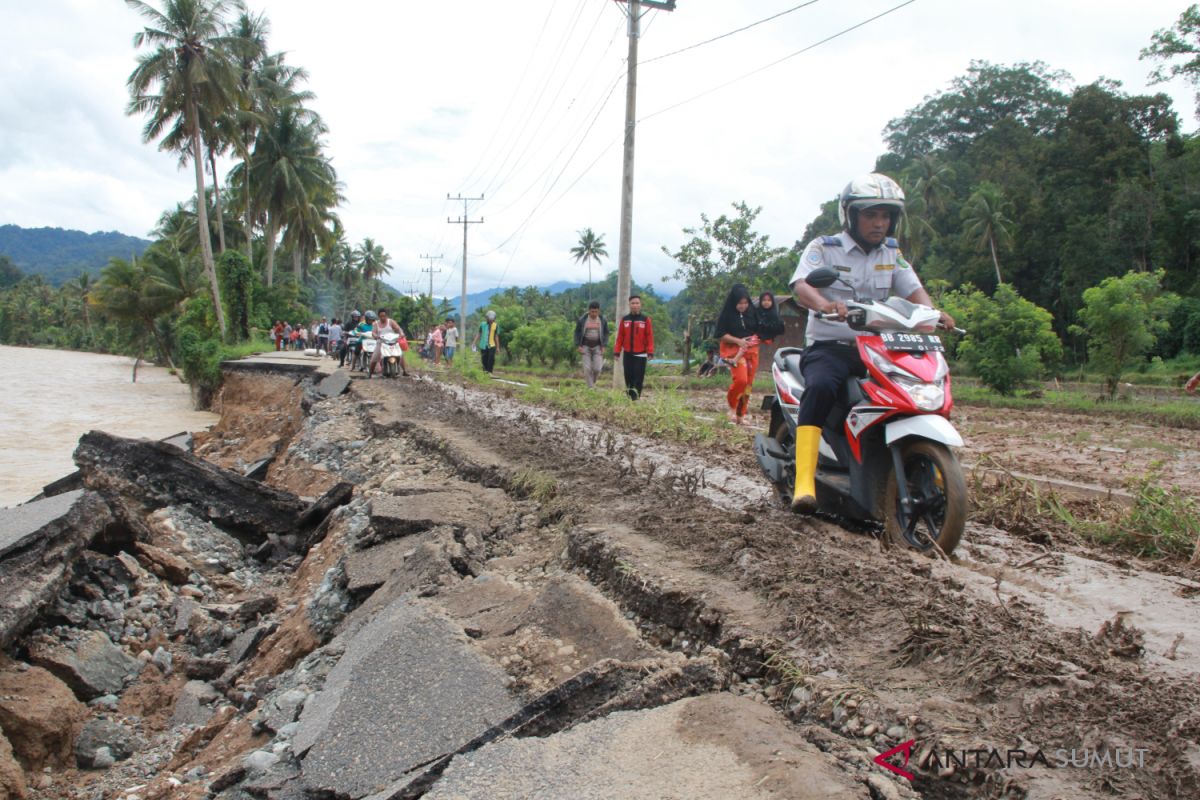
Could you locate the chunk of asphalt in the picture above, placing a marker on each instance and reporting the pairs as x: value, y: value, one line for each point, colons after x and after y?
x: 709, y: 747
x: 335, y: 384
x: 409, y: 689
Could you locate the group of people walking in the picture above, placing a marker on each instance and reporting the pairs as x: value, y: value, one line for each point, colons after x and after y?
x: 634, y: 344
x: 324, y: 335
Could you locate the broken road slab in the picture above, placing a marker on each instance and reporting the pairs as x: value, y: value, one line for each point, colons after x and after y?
x: 38, y: 543
x: 706, y: 748
x: 409, y: 688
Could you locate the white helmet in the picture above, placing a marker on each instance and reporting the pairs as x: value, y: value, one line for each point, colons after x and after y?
x: 491, y: 315
x: 869, y: 191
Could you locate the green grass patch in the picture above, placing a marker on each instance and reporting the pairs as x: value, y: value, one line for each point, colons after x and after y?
x: 659, y: 412
x: 1181, y: 413
x: 1160, y: 522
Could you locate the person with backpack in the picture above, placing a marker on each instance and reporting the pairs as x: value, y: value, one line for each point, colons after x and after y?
x: 591, y: 337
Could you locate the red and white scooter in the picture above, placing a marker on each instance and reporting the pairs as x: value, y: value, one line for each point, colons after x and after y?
x: 885, y: 449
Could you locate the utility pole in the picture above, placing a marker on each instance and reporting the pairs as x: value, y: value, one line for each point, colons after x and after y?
x: 431, y: 272
x: 464, y: 221
x: 625, y: 247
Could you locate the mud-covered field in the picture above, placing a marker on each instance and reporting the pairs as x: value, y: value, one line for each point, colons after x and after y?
x: 1013, y: 646
x: 1029, y: 667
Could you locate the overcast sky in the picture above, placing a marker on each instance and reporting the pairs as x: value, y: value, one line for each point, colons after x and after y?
x: 524, y: 103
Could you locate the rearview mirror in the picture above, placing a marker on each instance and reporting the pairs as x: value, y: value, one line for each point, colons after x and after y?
x: 821, y: 277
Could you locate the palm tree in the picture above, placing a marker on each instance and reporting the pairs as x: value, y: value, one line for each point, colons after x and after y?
x: 190, y: 67
x: 373, y: 262
x: 78, y: 290
x: 987, y: 222
x: 589, y: 249
x: 286, y: 169
x: 135, y: 293
x: 930, y: 182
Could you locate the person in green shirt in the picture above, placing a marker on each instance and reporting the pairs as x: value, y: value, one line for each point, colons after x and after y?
x: 488, y: 341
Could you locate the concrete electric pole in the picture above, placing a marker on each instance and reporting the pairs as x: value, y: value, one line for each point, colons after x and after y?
x: 431, y: 272
x: 464, y: 221
x: 625, y: 247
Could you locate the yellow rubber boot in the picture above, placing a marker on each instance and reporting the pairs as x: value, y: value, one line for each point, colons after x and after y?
x: 808, y: 442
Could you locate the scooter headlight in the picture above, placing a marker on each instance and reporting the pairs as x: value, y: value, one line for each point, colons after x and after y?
x: 925, y: 396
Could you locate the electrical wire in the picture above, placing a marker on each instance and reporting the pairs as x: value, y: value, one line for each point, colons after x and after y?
x: 724, y: 35
x: 518, y: 233
x: 777, y: 62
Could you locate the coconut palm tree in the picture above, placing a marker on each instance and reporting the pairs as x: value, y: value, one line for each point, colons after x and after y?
x: 930, y: 181
x: 986, y: 221
x: 188, y: 67
x: 589, y: 249
x: 286, y: 168
x: 373, y: 262
x: 135, y: 293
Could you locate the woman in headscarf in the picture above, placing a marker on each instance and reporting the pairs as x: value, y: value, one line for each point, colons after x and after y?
x: 737, y: 336
x: 768, y: 325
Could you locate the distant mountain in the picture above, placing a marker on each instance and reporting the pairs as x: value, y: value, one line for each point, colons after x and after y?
x: 480, y: 299
x: 60, y: 255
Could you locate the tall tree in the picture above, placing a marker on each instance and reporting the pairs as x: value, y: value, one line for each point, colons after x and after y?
x: 1171, y: 44
x: 721, y: 252
x: 189, y: 66
x: 373, y: 262
x: 135, y: 293
x: 286, y: 169
x: 987, y: 223
x: 590, y: 248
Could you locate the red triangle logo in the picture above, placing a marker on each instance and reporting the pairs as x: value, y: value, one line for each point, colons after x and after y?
x: 906, y: 747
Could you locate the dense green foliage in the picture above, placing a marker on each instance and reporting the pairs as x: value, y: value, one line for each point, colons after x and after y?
x: 1122, y: 318
x: 60, y: 255
x: 1010, y: 342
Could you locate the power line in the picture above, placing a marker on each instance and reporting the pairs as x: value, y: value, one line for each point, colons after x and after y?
x: 518, y: 232
x: 531, y: 108
x: 533, y: 137
x: 778, y: 61
x: 730, y: 33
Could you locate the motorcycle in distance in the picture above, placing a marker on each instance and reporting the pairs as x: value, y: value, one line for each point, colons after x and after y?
x: 369, y: 343
x: 885, y: 449
x: 390, y: 353
x: 351, y: 348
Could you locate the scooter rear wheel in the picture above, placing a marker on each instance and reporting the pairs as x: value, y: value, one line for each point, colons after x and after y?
x: 787, y: 443
x: 939, y: 490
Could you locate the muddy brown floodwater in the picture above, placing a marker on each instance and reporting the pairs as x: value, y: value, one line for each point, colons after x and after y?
x: 55, y: 396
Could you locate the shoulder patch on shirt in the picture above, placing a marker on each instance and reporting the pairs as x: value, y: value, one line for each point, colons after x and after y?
x: 815, y: 256
x: 892, y: 243
x: 884, y: 267
x: 832, y: 241
x: 901, y: 263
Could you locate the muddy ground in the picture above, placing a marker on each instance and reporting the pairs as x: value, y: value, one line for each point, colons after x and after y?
x: 605, y: 545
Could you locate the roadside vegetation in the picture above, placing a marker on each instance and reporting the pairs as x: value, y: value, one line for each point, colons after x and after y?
x: 1056, y: 221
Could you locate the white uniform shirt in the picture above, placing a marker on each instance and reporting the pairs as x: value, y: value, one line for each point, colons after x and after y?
x: 877, y: 275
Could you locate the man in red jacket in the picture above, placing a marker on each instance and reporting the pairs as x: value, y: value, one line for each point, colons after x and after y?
x: 635, y: 338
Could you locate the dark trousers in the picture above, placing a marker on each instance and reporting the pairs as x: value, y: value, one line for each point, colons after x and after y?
x: 825, y: 367
x: 488, y: 356
x: 635, y: 374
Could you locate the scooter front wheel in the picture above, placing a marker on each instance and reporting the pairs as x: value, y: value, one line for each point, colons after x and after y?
x: 939, y: 494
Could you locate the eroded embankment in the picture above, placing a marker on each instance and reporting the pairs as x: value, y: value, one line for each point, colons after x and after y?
x: 517, y: 605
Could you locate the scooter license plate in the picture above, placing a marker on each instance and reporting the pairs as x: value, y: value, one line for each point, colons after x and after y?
x: 912, y: 342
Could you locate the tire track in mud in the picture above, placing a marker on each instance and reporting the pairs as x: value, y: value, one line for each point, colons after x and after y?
x: 878, y: 647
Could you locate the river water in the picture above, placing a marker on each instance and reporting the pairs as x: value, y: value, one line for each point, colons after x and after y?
x: 55, y: 396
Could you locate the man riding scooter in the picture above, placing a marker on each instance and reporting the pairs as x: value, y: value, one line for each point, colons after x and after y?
x: 870, y: 265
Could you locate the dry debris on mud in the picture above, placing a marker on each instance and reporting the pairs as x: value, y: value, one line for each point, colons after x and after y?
x: 516, y: 604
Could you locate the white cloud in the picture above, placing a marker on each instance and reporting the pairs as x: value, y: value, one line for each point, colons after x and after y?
x: 483, y: 97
